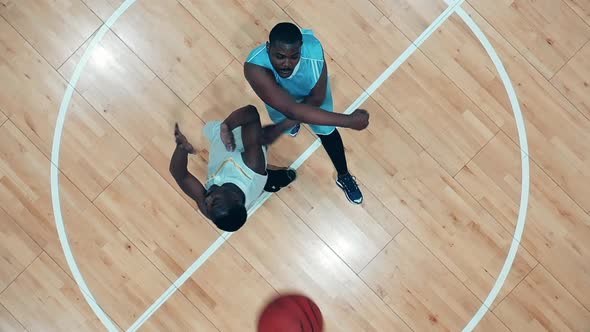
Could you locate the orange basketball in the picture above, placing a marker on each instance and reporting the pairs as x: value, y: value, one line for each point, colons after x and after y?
x: 291, y: 313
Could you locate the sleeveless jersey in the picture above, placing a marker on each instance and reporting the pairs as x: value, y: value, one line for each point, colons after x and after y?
x: 307, y: 72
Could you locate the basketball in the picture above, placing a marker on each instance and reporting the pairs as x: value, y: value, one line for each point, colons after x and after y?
x: 291, y: 313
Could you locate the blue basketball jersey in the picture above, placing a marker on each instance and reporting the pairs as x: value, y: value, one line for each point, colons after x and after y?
x: 307, y: 72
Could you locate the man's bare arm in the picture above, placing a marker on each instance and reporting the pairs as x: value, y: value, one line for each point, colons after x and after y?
x: 189, y: 184
x: 316, y: 98
x: 271, y: 93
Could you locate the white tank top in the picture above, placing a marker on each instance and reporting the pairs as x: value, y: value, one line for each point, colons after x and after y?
x: 228, y: 166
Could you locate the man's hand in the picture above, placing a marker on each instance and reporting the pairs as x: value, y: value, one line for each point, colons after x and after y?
x: 182, y: 141
x: 359, y: 119
x: 227, y: 137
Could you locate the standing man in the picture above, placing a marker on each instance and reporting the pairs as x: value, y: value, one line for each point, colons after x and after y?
x: 289, y: 73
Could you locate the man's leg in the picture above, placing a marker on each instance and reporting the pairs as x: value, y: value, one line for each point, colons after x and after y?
x: 334, y: 147
x: 332, y: 143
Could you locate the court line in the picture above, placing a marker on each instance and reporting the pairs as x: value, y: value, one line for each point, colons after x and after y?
x: 525, y: 180
x: 55, y: 197
x: 297, y: 163
x: 453, y: 7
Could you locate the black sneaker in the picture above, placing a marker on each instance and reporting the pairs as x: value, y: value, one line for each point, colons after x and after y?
x: 351, y: 189
x: 295, y: 130
x: 278, y: 179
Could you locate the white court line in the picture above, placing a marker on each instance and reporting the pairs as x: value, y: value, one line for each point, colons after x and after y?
x: 427, y: 33
x: 297, y: 163
x: 525, y: 181
x: 55, y: 199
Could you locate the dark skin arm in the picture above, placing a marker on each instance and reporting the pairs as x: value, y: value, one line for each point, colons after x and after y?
x: 316, y: 98
x: 242, y: 116
x: 248, y: 118
x: 189, y: 184
x: 264, y: 85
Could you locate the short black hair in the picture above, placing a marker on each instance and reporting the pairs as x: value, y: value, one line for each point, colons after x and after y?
x: 285, y: 32
x: 233, y: 219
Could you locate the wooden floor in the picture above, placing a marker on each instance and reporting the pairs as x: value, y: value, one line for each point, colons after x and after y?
x: 440, y: 167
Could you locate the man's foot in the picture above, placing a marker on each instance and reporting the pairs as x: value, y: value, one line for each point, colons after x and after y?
x: 348, y: 184
x: 278, y: 179
x: 295, y: 130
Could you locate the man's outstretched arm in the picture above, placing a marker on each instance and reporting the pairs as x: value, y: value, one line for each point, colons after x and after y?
x: 264, y: 85
x: 189, y: 184
x: 315, y: 98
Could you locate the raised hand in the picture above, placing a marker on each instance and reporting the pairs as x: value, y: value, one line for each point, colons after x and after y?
x: 181, y: 140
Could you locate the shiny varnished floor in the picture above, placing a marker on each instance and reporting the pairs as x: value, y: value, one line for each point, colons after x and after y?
x: 439, y: 165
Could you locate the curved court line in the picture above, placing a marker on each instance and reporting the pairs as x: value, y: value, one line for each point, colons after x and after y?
x: 525, y: 180
x: 297, y: 163
x: 55, y: 199
x: 454, y: 7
